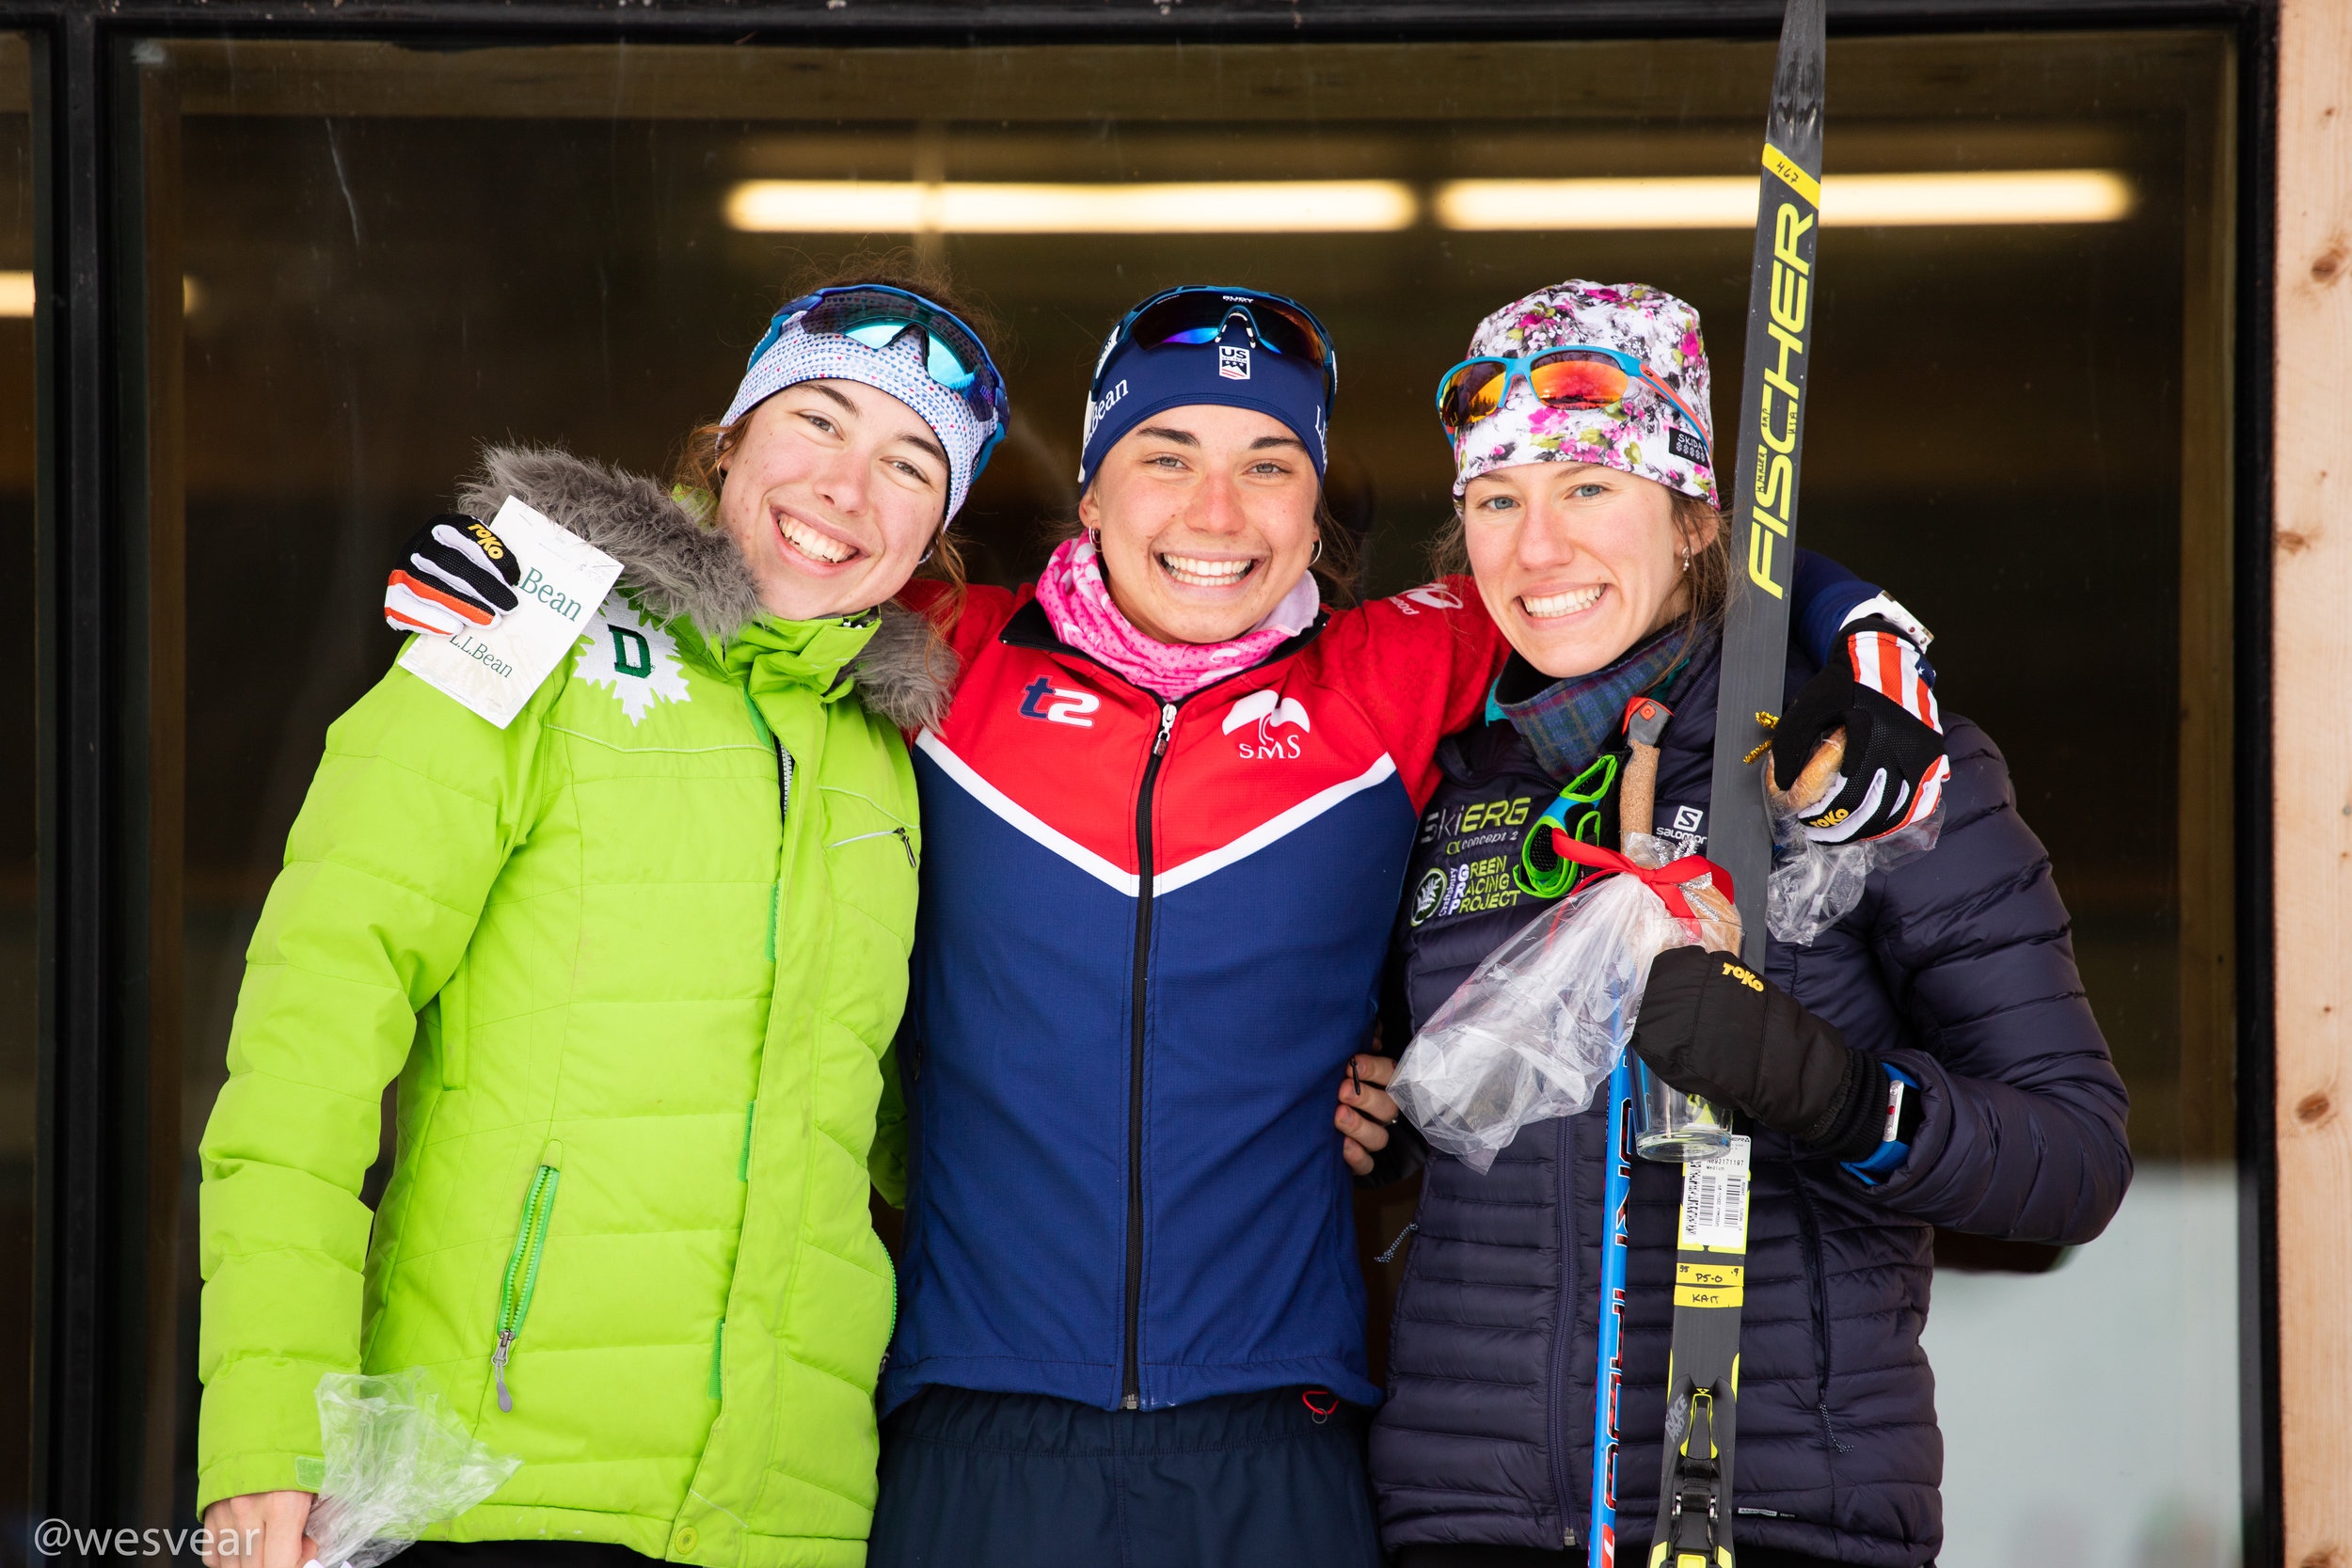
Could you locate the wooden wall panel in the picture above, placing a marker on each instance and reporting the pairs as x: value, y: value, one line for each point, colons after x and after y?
x: 2311, y: 740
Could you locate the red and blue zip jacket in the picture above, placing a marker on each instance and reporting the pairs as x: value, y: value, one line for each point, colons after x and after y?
x: 1151, y: 936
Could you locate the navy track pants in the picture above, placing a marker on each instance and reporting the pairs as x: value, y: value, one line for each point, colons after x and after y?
x: 973, y: 1480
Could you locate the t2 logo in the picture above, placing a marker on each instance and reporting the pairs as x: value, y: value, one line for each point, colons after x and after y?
x: 1057, y: 705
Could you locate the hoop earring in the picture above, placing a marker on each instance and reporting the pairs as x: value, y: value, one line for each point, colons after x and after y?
x: 1318, y: 555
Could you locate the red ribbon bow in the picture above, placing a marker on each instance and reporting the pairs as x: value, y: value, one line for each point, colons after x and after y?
x: 1665, y: 881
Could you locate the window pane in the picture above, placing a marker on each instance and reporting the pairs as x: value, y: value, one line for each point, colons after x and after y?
x: 17, y: 1010
x: 2020, y: 427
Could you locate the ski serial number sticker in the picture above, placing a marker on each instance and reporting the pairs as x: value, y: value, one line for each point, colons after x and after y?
x: 1715, y: 1201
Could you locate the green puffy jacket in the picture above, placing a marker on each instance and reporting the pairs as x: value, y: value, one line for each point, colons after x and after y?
x: 636, y: 962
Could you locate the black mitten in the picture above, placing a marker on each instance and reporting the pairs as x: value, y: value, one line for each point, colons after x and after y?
x: 1709, y: 1025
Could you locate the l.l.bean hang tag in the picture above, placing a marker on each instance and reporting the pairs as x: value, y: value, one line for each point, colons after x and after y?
x: 495, y: 672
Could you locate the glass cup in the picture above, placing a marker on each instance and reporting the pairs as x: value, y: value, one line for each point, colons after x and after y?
x: 1674, y: 1127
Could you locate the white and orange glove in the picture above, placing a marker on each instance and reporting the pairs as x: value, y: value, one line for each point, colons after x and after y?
x: 1882, y: 691
x: 453, y: 574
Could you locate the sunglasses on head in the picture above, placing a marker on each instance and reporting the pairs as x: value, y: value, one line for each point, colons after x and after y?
x: 1194, y: 315
x: 878, y: 316
x: 1571, y: 376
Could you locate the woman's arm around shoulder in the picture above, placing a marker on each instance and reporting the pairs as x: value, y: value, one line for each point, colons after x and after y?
x: 1420, y: 663
x: 965, y: 617
x: 2023, y: 1131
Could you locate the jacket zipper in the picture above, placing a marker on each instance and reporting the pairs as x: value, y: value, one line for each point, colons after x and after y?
x: 522, y: 1274
x: 1564, y: 1333
x: 906, y: 841
x: 1131, y: 1385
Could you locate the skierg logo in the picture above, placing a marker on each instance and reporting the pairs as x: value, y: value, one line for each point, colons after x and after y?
x: 1426, y: 897
x: 1475, y: 817
x: 1270, y: 713
x: 1233, y: 361
x: 633, y: 656
x: 1057, y: 705
x: 1687, y: 446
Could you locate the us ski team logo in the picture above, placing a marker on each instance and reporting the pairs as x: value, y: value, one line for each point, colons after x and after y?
x: 1233, y: 361
x: 632, y: 657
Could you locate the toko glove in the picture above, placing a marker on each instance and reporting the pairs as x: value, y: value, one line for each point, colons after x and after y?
x: 1710, y: 1025
x: 1883, y: 692
x: 453, y: 573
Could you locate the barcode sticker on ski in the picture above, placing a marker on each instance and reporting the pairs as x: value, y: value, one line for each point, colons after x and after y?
x: 1715, y: 1200
x: 496, y: 672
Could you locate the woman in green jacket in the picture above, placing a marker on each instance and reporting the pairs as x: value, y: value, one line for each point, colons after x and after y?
x: 636, y: 959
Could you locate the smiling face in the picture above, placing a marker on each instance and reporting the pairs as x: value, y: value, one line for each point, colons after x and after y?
x: 1576, y: 563
x: 1207, y: 517
x: 833, y: 491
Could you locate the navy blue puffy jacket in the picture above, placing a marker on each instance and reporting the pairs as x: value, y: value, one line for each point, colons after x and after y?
x: 1957, y: 967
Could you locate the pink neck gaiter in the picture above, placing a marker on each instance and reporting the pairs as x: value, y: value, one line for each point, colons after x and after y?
x: 1078, y: 603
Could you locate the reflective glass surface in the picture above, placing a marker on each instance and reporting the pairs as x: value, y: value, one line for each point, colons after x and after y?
x: 2020, y: 427
x: 17, y: 1010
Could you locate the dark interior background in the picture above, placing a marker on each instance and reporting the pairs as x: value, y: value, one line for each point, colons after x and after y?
x: 397, y: 253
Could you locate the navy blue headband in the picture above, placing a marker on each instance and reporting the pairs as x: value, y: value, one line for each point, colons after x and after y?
x: 1133, y: 383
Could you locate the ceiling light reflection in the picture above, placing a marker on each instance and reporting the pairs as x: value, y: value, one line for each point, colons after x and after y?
x: 1239, y: 207
x: 1224, y: 208
x: 16, y: 296
x: 1848, y: 200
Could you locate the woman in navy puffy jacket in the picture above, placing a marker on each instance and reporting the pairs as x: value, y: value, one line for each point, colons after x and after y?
x: 1603, y: 561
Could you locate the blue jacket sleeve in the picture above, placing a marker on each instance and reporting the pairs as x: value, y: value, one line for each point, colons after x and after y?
x: 2023, y: 1136
x: 1825, y: 592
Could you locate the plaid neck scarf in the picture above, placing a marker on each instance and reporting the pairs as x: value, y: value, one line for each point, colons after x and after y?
x: 1573, y: 720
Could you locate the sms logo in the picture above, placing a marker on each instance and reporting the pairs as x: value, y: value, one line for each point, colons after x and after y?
x: 1269, y: 713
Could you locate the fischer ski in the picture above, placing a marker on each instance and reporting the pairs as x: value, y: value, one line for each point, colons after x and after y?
x: 1694, y: 1495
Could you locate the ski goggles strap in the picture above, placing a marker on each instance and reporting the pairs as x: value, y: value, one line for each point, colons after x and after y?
x: 1575, y: 813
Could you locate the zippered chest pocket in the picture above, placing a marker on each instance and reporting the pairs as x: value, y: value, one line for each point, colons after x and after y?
x: 875, y: 855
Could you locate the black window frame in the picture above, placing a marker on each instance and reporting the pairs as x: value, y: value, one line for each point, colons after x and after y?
x: 108, y: 1120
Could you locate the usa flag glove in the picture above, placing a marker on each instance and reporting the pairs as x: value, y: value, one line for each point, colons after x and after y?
x: 453, y: 574
x: 1882, y: 691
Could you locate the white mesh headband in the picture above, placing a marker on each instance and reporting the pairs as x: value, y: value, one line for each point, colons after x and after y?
x: 898, y: 370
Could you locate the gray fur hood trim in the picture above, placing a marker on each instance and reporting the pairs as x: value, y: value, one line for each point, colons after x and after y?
x: 675, y: 566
